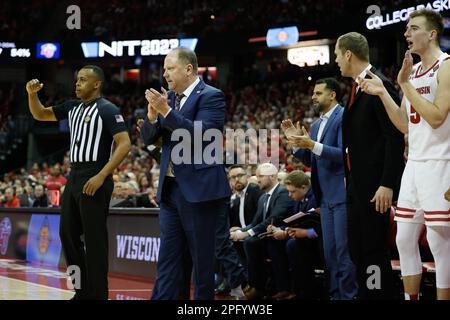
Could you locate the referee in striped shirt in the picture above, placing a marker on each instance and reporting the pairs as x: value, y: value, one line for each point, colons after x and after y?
x: 96, y: 125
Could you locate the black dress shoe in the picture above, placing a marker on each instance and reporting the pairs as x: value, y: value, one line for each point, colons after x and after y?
x: 222, y: 289
x: 254, y: 294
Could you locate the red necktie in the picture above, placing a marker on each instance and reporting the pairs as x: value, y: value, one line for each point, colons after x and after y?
x: 347, y: 156
x: 352, y: 95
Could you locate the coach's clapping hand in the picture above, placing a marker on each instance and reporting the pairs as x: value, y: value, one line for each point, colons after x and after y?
x: 383, y: 199
x: 158, y: 101
x: 301, y: 141
x: 152, y: 113
x: 289, y: 129
x: 34, y: 86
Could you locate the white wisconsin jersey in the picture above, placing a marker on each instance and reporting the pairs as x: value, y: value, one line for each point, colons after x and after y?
x: 426, y: 143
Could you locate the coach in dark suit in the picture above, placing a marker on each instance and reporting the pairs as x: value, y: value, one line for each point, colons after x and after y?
x: 242, y: 214
x: 273, y: 206
x: 373, y: 151
x: 192, y: 192
x: 244, y: 205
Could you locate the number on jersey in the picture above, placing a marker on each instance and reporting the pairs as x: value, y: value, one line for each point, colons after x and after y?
x: 414, y: 117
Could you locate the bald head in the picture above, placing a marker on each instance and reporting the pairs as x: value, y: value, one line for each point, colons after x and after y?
x: 267, y: 176
x: 267, y: 169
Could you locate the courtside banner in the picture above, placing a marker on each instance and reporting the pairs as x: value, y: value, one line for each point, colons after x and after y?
x: 13, y: 234
x: 133, y: 244
x: 44, y: 244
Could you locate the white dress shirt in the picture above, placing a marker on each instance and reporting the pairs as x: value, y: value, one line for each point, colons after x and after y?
x: 362, y: 75
x: 318, y: 147
x: 241, y: 207
x: 186, y: 93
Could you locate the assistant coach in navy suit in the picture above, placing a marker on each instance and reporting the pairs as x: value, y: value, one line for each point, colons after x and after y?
x: 191, y: 193
x: 323, y: 152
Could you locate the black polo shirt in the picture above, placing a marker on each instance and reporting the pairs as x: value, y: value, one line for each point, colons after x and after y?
x: 92, y: 128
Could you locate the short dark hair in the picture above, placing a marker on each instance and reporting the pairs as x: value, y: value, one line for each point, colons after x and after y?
x: 97, y: 71
x: 331, y: 84
x: 434, y: 20
x: 356, y: 43
x: 297, y: 179
x: 187, y: 56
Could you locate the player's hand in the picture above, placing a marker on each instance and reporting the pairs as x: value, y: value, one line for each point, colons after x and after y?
x: 447, y: 195
x: 289, y: 129
x: 92, y: 185
x: 405, y: 71
x: 232, y: 229
x: 373, y: 86
x: 383, y: 199
x: 34, y: 86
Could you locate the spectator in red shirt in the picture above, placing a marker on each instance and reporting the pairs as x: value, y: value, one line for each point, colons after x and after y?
x: 56, y: 180
x: 11, y: 200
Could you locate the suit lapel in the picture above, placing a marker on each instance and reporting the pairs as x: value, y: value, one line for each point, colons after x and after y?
x: 330, y: 120
x: 246, y: 202
x: 359, y: 94
x: 192, y: 99
x: 315, y: 129
x: 272, y: 199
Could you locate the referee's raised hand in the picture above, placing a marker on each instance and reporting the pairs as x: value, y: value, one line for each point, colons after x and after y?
x: 34, y: 86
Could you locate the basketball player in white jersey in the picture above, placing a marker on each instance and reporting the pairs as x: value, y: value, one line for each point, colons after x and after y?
x: 424, y: 116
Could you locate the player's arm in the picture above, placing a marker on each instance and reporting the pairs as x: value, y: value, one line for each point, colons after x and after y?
x: 38, y: 111
x: 435, y: 112
x: 375, y: 86
x: 398, y: 116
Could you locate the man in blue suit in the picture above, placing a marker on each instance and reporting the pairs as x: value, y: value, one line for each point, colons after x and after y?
x: 323, y: 152
x: 191, y: 193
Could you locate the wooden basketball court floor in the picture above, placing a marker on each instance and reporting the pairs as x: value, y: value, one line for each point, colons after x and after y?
x: 24, y: 281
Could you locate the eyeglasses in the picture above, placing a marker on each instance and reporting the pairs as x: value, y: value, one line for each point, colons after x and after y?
x: 238, y: 176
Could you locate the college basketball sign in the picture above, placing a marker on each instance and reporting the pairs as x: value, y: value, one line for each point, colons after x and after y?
x: 377, y: 20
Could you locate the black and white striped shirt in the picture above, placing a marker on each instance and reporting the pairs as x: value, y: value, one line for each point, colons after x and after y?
x: 92, y: 128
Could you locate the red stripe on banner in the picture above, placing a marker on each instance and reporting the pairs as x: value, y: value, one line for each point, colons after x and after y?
x: 407, y: 216
x: 405, y: 209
